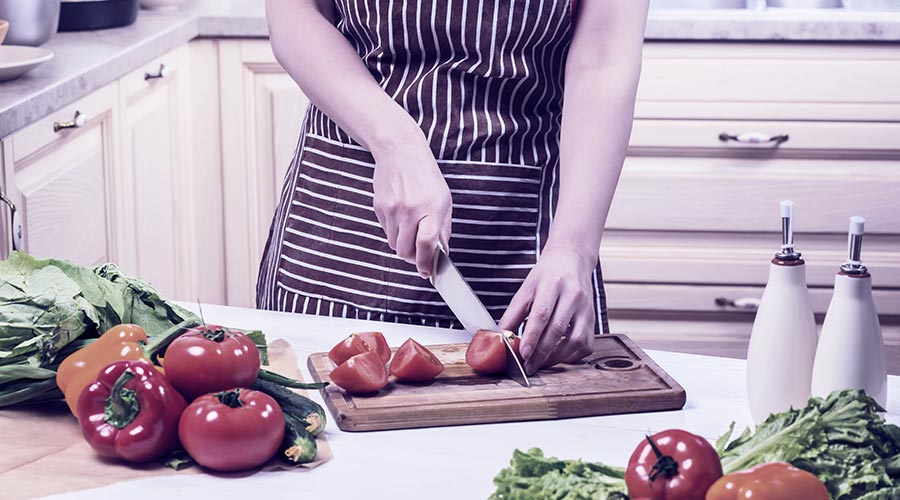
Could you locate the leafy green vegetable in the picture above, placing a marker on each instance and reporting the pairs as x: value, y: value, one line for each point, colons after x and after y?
x: 531, y: 476
x: 841, y: 439
x: 46, y: 304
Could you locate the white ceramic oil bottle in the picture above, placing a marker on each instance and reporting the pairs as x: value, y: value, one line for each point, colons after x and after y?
x: 851, y: 348
x: 783, y: 339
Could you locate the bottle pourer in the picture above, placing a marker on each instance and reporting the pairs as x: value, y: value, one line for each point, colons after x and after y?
x: 787, y: 232
x: 854, y: 247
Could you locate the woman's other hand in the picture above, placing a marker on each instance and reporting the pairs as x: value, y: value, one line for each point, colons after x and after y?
x: 557, y: 299
x: 412, y: 201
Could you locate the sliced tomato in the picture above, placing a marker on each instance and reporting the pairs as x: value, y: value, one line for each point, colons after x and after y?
x: 486, y: 352
x: 347, y: 348
x: 363, y: 373
x: 377, y: 343
x: 358, y: 343
x: 413, y: 362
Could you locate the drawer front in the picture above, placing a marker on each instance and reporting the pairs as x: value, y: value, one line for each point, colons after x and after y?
x: 41, y: 134
x: 809, y: 81
x: 737, y: 259
x: 742, y: 194
x: 717, y: 299
x: 779, y: 138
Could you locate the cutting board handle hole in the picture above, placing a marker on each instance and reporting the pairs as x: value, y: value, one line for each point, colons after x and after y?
x: 616, y: 364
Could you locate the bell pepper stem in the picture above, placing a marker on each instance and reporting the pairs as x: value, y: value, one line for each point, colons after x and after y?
x: 122, y: 405
x: 231, y: 399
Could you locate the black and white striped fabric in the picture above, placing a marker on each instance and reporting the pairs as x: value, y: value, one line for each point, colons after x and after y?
x: 484, y: 80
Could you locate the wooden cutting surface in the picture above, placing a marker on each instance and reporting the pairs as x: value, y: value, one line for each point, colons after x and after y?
x: 617, y: 378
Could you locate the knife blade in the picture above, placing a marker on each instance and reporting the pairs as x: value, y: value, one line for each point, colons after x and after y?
x: 469, y: 310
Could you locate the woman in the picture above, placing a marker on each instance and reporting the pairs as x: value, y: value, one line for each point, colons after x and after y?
x: 496, y: 127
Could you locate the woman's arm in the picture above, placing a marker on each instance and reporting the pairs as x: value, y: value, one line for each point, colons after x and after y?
x: 602, y: 73
x: 412, y: 200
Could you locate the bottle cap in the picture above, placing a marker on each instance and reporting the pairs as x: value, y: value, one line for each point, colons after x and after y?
x: 854, y: 246
x: 857, y: 224
x: 787, y: 233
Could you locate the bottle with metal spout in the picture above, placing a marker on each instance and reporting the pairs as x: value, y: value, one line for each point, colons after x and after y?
x: 851, y: 348
x: 783, y: 339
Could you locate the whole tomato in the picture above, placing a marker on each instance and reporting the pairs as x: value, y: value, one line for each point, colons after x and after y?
x: 358, y: 343
x: 232, y: 430
x: 672, y: 465
x: 415, y: 363
x: 486, y: 352
x: 211, y: 358
x: 361, y: 374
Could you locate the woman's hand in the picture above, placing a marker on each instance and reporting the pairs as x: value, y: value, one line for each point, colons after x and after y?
x: 557, y: 298
x: 412, y: 202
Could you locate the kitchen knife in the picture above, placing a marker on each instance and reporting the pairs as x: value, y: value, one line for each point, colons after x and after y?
x: 468, y: 308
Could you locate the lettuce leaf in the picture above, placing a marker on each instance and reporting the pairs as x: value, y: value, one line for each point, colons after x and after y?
x: 841, y: 439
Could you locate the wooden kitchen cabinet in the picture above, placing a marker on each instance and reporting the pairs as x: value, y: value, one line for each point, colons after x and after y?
x: 261, y: 112
x: 157, y: 175
x: 60, y: 172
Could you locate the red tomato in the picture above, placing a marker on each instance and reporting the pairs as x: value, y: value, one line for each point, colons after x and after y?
x: 486, y: 352
x: 377, y: 343
x: 232, y: 430
x: 415, y: 363
x: 363, y: 373
x: 672, y: 465
x: 358, y: 343
x: 347, y: 348
x: 211, y: 358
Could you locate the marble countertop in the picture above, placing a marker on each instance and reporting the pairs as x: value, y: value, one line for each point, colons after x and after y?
x: 86, y: 61
x: 451, y: 462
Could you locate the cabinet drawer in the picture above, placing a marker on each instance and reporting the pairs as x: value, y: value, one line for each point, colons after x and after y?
x: 737, y: 259
x: 742, y: 194
x: 94, y: 107
x: 703, y: 298
x: 804, y: 81
x: 799, y: 138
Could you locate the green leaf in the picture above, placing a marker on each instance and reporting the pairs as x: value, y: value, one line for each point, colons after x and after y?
x: 178, y: 460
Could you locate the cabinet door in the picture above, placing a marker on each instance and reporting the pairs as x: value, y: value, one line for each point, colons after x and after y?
x: 262, y: 111
x: 62, y: 180
x: 156, y: 171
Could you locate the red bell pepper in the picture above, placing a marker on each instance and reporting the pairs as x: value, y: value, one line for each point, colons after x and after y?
x: 131, y: 412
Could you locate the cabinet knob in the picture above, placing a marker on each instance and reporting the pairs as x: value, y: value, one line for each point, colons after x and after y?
x: 745, y: 303
x: 754, y: 138
x: 14, y: 222
x: 162, y: 72
x: 79, y: 120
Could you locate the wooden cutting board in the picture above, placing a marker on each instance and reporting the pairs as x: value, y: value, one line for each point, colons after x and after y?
x: 617, y: 378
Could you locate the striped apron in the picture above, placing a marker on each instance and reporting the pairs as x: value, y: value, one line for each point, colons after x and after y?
x: 484, y: 81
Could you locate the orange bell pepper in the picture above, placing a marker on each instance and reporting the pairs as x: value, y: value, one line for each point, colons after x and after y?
x: 772, y: 481
x: 81, y: 368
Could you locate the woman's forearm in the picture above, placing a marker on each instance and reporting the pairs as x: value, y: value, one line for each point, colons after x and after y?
x: 331, y: 74
x: 598, y: 112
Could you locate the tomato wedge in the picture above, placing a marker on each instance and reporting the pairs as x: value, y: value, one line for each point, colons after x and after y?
x: 486, y: 352
x: 358, y: 343
x: 361, y: 374
x: 413, y: 362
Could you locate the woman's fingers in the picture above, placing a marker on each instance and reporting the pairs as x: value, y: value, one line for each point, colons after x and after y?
x: 518, y: 307
x: 426, y: 244
x: 554, y: 329
x: 580, y: 341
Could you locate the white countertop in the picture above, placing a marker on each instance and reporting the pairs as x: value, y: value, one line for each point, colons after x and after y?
x: 451, y: 462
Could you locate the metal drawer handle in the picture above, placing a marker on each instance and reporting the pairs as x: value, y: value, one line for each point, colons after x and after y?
x: 15, y: 225
x: 754, y: 138
x: 163, y: 72
x: 77, y: 121
x: 746, y: 303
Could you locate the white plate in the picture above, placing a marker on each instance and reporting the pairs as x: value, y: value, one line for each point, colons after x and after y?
x: 17, y: 60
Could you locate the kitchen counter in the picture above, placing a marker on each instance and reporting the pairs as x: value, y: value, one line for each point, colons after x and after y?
x: 452, y: 462
x: 86, y: 61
